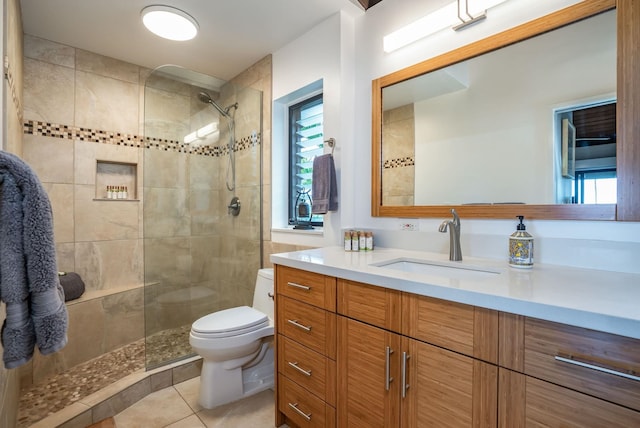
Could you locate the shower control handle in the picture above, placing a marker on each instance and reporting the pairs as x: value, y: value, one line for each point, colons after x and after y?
x: 234, y: 206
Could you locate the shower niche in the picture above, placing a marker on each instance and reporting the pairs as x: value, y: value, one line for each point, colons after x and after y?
x: 116, y: 181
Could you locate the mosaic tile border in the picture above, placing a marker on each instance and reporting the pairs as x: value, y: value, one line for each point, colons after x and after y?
x: 8, y: 74
x: 46, y: 129
x: 398, y: 162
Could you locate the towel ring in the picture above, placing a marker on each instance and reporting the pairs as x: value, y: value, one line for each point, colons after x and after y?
x: 331, y: 142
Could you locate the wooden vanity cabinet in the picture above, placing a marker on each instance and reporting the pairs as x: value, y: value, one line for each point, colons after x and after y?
x: 306, y: 348
x: 559, y: 375
x: 388, y: 379
x: 355, y: 355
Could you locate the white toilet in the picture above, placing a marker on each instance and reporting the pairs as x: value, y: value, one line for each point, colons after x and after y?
x: 236, y: 346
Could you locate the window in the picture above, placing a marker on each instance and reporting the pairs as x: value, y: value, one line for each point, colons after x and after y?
x: 596, y: 187
x: 305, y: 142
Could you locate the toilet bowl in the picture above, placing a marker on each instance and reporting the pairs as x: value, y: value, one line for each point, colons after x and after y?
x: 236, y: 346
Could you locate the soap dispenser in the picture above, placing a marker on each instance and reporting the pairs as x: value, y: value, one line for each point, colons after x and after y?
x: 521, y: 247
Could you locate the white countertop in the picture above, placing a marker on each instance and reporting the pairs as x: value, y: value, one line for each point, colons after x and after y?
x: 596, y: 299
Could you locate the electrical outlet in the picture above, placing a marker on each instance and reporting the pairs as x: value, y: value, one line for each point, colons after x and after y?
x: 411, y: 226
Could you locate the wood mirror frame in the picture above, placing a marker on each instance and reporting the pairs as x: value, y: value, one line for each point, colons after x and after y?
x: 627, y: 127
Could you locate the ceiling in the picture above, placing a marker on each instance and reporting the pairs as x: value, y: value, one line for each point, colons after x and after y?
x: 234, y: 34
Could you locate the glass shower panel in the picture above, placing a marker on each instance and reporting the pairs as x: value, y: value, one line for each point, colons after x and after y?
x: 198, y: 258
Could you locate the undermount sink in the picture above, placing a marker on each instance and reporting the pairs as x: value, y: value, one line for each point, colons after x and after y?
x: 428, y: 267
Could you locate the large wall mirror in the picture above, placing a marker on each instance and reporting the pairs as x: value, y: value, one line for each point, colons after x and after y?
x: 522, y: 123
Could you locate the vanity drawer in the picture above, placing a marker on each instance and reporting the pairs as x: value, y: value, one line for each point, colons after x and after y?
x: 527, y: 401
x: 313, y: 327
x: 466, y: 329
x: 378, y: 306
x: 307, y: 368
x: 312, y: 288
x: 302, y: 408
x: 589, y: 361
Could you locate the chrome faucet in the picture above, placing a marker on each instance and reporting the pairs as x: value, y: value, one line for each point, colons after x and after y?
x: 455, y: 253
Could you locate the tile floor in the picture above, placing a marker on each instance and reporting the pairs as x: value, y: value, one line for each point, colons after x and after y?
x: 71, y: 395
x: 177, y: 407
x: 62, y: 390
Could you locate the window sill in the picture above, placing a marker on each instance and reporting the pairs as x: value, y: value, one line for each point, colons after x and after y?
x: 289, y: 235
x: 318, y: 231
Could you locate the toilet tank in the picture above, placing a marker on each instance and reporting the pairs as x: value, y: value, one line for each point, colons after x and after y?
x: 264, y: 288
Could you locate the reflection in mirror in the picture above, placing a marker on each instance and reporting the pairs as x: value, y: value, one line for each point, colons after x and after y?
x: 488, y: 130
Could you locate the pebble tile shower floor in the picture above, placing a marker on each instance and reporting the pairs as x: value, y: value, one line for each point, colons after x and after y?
x: 61, y: 390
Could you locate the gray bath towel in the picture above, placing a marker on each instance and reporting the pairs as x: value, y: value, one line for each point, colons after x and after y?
x: 29, y: 285
x: 72, y: 284
x: 324, y: 187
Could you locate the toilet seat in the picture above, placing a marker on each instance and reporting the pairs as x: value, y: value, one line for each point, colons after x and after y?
x: 230, y: 322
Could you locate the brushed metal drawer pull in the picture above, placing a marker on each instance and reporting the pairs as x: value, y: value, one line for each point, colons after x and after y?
x: 294, y: 406
x: 405, y: 385
x: 303, y: 287
x: 297, y: 324
x: 570, y: 360
x: 301, y: 370
x: 387, y: 370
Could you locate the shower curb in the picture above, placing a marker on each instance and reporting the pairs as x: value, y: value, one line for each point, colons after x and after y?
x: 120, y: 395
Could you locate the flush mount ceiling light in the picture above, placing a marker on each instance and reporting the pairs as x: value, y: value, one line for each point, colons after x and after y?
x: 169, y: 22
x: 457, y: 15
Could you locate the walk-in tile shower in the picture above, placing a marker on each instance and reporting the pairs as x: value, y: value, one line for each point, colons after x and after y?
x: 202, y: 165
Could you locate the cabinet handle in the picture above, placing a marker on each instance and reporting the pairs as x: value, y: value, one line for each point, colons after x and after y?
x: 571, y: 360
x: 303, y: 287
x: 297, y: 324
x: 301, y: 370
x: 405, y: 385
x: 294, y: 406
x: 387, y: 370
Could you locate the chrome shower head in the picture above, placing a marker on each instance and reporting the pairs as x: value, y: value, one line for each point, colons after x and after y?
x: 206, y: 98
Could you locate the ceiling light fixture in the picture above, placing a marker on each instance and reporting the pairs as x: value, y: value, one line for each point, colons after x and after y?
x: 169, y: 22
x: 458, y: 15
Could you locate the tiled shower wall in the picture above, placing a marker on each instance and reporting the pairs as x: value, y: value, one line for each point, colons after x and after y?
x: 398, y: 158
x: 12, y: 121
x: 78, y: 106
x: 81, y: 107
x: 198, y: 258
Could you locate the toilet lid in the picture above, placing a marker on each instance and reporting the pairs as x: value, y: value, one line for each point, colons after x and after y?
x: 240, y: 320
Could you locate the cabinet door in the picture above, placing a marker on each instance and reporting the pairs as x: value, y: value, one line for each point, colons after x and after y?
x: 446, y: 389
x: 368, y: 383
x: 529, y: 402
x: 466, y: 329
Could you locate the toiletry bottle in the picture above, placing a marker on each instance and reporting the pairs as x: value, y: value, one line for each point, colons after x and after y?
x: 355, y: 241
x: 347, y: 240
x: 363, y: 241
x: 369, y: 236
x: 521, y: 247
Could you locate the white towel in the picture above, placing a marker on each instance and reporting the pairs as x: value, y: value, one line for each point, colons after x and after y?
x: 324, y: 187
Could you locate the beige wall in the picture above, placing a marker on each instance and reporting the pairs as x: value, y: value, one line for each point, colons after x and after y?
x: 12, y: 142
x: 398, y: 156
x: 76, y: 103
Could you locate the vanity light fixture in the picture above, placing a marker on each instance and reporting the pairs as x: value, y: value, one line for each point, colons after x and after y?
x: 202, y: 133
x: 458, y: 15
x: 169, y: 22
